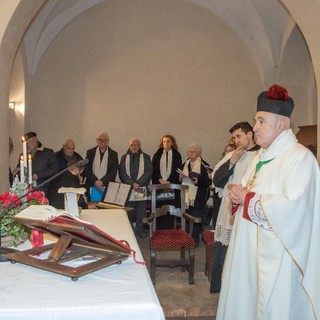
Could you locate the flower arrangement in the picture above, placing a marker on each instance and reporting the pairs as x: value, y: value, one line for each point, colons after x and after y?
x: 9, y: 226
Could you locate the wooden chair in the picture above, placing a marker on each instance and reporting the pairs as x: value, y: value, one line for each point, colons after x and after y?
x: 175, y: 239
x: 208, y: 239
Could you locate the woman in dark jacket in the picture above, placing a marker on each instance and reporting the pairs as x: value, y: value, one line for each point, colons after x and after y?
x: 166, y: 161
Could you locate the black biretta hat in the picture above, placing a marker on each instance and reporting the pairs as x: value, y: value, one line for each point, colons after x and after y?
x: 275, y: 100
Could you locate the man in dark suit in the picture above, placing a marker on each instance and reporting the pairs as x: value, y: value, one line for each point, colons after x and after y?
x: 67, y: 153
x: 44, y: 162
x: 68, y: 179
x: 103, y: 163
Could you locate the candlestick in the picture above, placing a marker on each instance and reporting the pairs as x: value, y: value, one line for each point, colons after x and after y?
x: 30, y: 169
x: 24, y: 151
x: 21, y: 169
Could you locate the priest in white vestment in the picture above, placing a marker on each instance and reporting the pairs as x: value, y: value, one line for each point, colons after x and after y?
x: 272, y: 265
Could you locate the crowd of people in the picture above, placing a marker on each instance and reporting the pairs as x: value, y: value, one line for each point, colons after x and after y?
x: 266, y: 205
x: 135, y: 168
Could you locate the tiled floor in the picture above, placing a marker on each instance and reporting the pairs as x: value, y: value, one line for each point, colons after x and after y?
x: 179, y: 299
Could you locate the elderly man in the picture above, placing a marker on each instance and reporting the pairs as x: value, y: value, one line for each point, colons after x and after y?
x: 103, y: 163
x: 136, y: 170
x: 44, y: 162
x: 272, y: 265
x: 195, y: 175
x: 67, y: 153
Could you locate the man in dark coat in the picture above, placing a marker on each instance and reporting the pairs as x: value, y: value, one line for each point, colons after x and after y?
x: 68, y: 179
x: 103, y: 164
x: 136, y: 170
x: 67, y: 154
x: 195, y: 175
x: 44, y: 162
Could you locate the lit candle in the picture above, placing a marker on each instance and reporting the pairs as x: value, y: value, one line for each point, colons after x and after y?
x: 21, y: 168
x: 30, y: 168
x: 24, y: 151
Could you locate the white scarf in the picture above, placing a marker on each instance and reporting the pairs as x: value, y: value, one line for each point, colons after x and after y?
x: 165, y: 168
x: 100, y: 168
x: 141, y: 165
x: 192, y: 191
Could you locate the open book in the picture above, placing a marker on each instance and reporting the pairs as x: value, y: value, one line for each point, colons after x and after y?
x: 116, y: 193
x: 188, y: 178
x: 45, y: 213
x: 57, y: 222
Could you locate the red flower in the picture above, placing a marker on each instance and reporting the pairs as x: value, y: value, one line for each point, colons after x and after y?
x: 7, y: 198
x: 37, y: 197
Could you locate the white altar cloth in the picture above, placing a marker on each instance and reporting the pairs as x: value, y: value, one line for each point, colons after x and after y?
x: 117, y: 292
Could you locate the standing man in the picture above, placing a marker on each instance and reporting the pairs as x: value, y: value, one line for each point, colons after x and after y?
x: 44, y: 162
x: 195, y: 175
x: 103, y: 163
x: 136, y: 170
x: 272, y: 265
x: 230, y: 169
x: 66, y: 154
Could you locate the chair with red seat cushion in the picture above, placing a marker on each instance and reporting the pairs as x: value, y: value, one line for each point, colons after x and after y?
x: 208, y: 239
x: 175, y: 239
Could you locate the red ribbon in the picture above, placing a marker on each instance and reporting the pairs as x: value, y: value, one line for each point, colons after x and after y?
x: 36, y: 238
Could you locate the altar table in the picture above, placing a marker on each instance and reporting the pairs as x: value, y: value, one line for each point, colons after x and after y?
x: 118, y: 292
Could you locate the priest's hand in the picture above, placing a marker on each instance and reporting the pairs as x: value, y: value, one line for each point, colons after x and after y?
x: 237, y: 193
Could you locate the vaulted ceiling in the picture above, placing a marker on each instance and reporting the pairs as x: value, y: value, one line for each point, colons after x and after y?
x: 264, y: 26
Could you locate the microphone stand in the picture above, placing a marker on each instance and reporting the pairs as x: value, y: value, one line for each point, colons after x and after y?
x: 4, y: 251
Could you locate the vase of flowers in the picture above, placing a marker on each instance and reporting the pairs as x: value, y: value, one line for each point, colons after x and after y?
x: 11, y: 231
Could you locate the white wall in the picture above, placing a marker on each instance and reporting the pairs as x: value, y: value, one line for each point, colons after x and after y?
x: 145, y: 70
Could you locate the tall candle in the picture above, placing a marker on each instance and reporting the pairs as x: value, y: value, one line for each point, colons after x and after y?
x: 21, y: 168
x: 24, y: 151
x: 30, y: 169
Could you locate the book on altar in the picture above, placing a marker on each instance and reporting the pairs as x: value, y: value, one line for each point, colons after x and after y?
x: 45, y: 213
x: 58, y: 222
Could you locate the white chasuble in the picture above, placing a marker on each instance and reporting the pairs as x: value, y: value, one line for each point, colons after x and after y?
x: 274, y: 274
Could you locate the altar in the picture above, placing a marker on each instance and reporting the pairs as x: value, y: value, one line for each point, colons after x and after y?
x: 121, y: 291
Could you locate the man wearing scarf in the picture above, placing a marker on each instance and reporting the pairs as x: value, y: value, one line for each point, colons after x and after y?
x: 103, y: 164
x: 195, y: 175
x: 272, y: 265
x: 136, y: 169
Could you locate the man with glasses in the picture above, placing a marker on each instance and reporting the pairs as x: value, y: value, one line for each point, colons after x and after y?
x: 103, y: 164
